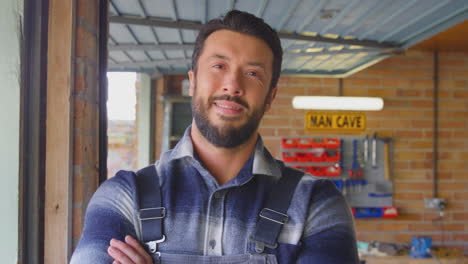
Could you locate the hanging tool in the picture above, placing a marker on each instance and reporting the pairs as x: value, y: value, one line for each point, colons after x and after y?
x: 386, y: 142
x: 365, y: 144
x: 374, y: 151
x: 355, y: 173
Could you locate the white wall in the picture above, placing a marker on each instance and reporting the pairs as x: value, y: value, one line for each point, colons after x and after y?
x: 10, y: 15
x: 144, y: 105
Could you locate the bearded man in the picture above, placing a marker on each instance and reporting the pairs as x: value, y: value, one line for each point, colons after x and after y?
x: 219, y: 196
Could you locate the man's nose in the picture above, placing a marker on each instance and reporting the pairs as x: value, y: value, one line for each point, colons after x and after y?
x: 233, y: 84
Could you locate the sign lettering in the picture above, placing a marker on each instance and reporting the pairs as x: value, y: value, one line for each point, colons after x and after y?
x: 335, y: 121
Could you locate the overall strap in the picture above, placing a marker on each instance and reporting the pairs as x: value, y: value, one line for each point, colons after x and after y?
x: 151, y: 212
x: 273, y: 216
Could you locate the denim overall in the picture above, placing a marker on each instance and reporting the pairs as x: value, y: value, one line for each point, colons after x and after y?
x: 269, y: 224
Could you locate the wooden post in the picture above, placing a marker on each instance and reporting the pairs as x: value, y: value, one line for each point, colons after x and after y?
x: 59, y: 132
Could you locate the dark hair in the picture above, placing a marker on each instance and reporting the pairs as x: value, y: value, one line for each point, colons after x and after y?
x: 242, y: 22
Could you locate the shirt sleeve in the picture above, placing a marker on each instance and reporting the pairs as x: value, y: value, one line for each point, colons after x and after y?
x: 110, y: 214
x: 329, y: 235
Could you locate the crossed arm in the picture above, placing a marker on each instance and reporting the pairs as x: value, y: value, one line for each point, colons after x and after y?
x: 128, y: 252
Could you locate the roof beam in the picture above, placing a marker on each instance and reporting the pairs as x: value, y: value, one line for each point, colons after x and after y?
x: 339, y: 40
x: 284, y: 35
x: 149, y: 64
x: 287, y: 53
x: 127, y: 47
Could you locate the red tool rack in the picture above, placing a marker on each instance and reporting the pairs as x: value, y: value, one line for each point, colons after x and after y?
x: 317, y: 156
x: 341, y: 161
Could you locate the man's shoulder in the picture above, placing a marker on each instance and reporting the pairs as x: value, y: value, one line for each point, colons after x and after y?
x: 120, y: 186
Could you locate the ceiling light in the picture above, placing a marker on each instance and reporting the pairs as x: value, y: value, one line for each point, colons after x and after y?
x: 338, y: 103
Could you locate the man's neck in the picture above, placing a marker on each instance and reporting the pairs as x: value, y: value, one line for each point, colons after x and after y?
x: 223, y: 163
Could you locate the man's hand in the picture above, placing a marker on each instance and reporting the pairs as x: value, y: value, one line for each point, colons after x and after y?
x: 128, y: 252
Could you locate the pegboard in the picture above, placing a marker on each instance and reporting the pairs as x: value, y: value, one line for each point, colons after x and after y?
x: 332, y: 158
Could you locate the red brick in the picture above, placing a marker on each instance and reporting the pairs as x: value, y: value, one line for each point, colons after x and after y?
x: 408, y: 93
x: 452, y: 124
x: 409, y: 205
x: 422, y: 103
x: 461, y: 195
x: 86, y: 43
x: 408, y: 196
x: 408, y: 134
x: 355, y: 91
x: 410, y: 155
x: 442, y: 94
x: 88, y: 11
x: 460, y: 94
x: 460, y: 216
x: 392, y: 226
x: 394, y: 83
x: 422, y: 84
x: 452, y: 62
x: 395, y: 103
x: 406, y: 217
x: 413, y: 186
x: 453, y: 186
x: 378, y: 92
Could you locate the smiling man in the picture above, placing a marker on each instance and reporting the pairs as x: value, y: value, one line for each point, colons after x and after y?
x: 219, y: 196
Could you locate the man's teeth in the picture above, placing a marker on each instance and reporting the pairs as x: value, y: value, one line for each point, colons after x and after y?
x: 227, y: 106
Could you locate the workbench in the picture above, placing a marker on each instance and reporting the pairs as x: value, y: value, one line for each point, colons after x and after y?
x: 409, y: 260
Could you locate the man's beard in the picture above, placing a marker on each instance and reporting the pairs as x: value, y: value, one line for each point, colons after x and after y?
x: 226, y: 136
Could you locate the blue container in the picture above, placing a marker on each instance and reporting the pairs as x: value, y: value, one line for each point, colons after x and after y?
x: 420, y: 247
x: 368, y: 212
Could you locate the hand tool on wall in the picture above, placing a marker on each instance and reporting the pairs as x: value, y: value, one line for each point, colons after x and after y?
x: 374, y: 151
x: 386, y: 142
x: 365, y: 144
x: 341, y: 154
x: 355, y: 173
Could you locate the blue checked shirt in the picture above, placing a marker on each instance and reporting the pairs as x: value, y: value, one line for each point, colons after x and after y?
x: 204, y: 218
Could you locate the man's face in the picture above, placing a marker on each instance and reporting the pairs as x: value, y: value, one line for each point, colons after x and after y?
x: 230, y: 89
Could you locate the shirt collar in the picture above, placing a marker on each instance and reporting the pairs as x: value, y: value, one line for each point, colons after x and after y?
x: 263, y: 161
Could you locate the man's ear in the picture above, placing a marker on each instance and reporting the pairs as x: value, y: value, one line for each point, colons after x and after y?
x: 270, y: 98
x: 191, y: 76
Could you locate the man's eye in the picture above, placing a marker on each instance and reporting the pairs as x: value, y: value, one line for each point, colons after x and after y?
x: 252, y: 73
x: 218, y: 66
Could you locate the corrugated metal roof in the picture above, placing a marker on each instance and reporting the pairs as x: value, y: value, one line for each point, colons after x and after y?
x: 319, y: 37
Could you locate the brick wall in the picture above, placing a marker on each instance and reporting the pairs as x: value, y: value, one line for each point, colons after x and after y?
x: 86, y: 110
x: 406, y: 84
x: 122, y: 153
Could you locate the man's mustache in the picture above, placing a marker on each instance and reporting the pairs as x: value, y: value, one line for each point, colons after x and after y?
x: 227, y: 97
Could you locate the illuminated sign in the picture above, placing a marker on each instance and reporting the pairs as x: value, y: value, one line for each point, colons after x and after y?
x: 335, y: 121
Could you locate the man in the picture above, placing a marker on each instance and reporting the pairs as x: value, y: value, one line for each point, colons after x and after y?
x: 219, y: 183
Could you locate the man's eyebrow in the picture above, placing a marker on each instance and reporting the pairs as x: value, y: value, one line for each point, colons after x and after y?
x: 253, y: 63
x: 257, y: 64
x: 219, y: 56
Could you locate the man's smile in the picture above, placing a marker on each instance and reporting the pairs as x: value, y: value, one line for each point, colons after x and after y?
x: 228, y: 108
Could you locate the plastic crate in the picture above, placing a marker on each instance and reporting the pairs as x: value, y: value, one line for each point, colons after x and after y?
x: 317, y: 143
x: 389, y: 212
x: 332, y: 143
x: 303, y: 143
x: 289, y: 156
x: 333, y: 171
x: 318, y: 157
x: 303, y: 156
x: 317, y: 171
x: 289, y: 142
x: 332, y: 156
x: 368, y: 212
